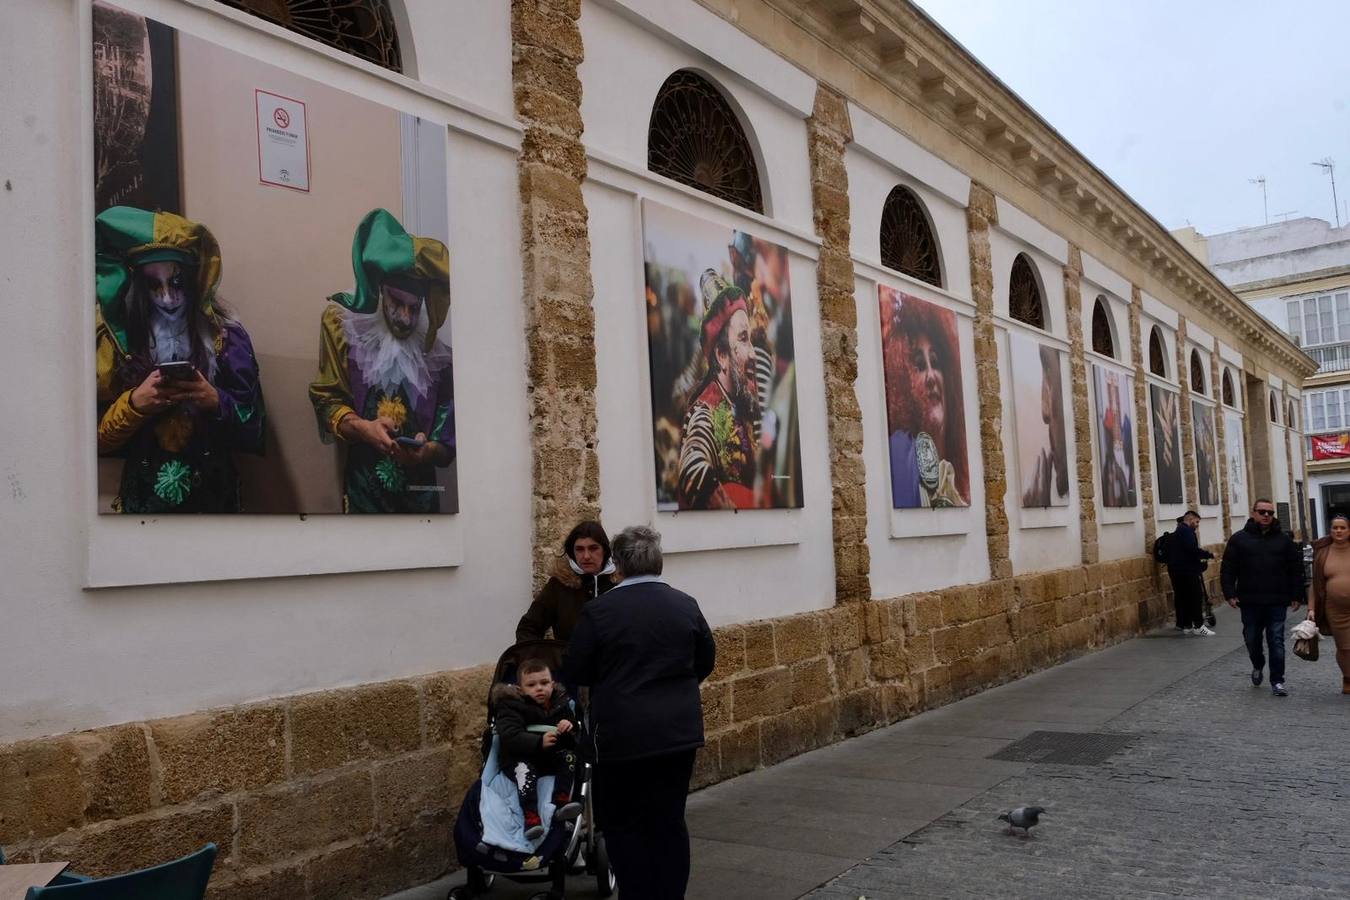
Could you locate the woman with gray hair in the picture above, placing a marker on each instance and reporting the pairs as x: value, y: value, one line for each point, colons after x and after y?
x: 642, y: 649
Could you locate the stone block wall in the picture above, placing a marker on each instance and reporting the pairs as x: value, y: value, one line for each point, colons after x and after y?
x: 353, y: 792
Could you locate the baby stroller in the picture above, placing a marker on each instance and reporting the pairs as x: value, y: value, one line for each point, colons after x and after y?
x: 568, y: 847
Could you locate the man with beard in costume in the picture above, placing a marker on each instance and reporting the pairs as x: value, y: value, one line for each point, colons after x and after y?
x: 384, y: 387
x: 178, y: 389
x: 719, y: 446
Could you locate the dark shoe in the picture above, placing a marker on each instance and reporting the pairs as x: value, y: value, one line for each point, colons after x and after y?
x: 567, y: 812
x: 1278, y: 689
x: 1256, y: 677
x: 534, y: 832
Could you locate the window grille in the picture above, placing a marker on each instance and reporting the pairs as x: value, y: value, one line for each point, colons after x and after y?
x: 1157, y: 357
x: 1102, y: 342
x: 907, y: 241
x: 1228, y: 389
x: 1274, y: 409
x: 1290, y: 416
x: 363, y: 28
x: 1024, y: 294
x: 695, y: 138
x: 1197, y: 374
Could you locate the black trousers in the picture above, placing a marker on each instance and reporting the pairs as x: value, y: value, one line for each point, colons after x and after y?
x: 639, y: 806
x: 1189, y: 593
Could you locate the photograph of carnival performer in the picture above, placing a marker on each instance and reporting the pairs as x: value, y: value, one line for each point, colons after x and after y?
x: 720, y: 440
x: 1167, y: 443
x: 1237, y: 466
x: 1115, y: 436
x: 1038, y: 398
x: 723, y: 374
x: 1206, y: 454
x: 177, y: 381
x: 385, y: 388
x: 925, y: 406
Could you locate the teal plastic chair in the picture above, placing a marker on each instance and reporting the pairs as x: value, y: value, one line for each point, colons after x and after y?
x: 182, y: 879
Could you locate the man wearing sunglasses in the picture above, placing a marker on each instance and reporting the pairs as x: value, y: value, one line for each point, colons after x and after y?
x: 1262, y: 574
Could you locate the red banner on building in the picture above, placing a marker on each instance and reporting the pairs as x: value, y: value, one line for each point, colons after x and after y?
x: 1331, y: 446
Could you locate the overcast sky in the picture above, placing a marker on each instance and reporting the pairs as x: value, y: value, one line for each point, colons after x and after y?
x: 1180, y: 102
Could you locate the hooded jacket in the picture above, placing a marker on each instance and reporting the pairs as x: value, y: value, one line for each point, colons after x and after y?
x: 559, y: 603
x: 515, y: 713
x: 1185, y: 556
x: 1262, y: 569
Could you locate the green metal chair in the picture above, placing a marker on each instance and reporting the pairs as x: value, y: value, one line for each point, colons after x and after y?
x: 182, y: 879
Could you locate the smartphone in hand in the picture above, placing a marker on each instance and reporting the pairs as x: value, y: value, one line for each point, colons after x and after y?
x: 411, y: 442
x: 179, y: 370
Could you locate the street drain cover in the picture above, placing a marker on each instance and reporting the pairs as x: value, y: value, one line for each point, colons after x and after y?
x: 1064, y: 748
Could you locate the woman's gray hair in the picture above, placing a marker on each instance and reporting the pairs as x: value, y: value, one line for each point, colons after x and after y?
x: 637, y: 551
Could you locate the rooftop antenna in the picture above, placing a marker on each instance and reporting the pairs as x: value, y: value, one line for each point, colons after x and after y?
x: 1328, y: 165
x: 1265, y: 206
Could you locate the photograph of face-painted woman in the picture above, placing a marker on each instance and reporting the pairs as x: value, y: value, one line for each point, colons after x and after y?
x: 925, y: 406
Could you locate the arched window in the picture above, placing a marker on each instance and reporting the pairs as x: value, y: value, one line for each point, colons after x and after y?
x: 1157, y: 356
x: 1197, y: 374
x: 1290, y: 419
x: 1102, y: 341
x: 695, y: 138
x: 908, y: 244
x: 1228, y: 389
x: 363, y: 28
x: 1274, y: 409
x: 1024, y: 294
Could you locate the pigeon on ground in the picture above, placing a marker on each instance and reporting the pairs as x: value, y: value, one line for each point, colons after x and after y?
x: 1024, y: 817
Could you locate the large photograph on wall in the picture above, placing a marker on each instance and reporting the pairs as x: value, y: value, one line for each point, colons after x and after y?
x: 279, y: 340
x: 1038, y: 408
x: 925, y: 406
x: 1166, y: 428
x: 723, y: 371
x: 1206, y: 453
x: 1114, y: 395
x: 1237, y: 462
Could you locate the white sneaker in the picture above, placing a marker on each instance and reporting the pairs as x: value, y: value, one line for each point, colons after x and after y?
x: 1189, y: 631
x: 1205, y: 630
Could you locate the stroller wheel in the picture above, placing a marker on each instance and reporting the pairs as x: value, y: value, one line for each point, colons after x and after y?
x: 479, y: 883
x: 604, y: 875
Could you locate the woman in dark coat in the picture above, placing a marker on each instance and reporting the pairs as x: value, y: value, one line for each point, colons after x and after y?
x: 582, y: 573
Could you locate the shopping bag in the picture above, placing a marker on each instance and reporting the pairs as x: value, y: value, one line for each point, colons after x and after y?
x: 1306, y: 648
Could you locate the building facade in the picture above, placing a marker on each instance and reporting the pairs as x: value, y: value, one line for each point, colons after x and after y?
x: 983, y: 381
x: 1297, y: 274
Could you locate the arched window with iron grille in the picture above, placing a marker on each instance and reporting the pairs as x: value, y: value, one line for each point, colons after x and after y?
x: 1198, y: 374
x: 1157, y: 355
x: 695, y: 137
x: 1274, y: 409
x: 1291, y: 416
x: 363, y: 28
x: 908, y: 244
x: 1102, y: 340
x: 1228, y: 389
x: 1024, y: 294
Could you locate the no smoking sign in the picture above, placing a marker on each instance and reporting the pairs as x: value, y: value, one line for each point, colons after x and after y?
x: 283, y: 141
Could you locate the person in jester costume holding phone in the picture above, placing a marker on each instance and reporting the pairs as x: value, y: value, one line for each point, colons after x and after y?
x: 177, y: 381
x: 384, y: 387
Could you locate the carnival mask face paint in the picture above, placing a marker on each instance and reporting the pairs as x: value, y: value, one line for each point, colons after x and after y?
x: 742, y: 354
x: 927, y: 383
x: 400, y: 308
x: 166, y: 287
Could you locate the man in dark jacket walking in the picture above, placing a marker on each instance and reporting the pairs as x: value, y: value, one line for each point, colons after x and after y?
x: 643, y: 648
x: 1262, y: 574
x: 1186, y: 563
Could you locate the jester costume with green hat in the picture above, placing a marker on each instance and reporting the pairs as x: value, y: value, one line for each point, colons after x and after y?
x: 156, y: 276
x: 384, y: 374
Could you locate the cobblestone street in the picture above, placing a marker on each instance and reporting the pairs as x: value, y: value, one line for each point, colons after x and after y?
x: 1221, y: 791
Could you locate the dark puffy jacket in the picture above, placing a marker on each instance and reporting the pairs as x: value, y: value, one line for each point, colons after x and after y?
x: 1262, y: 569
x: 515, y: 713
x: 643, y: 649
x: 1185, y: 556
x: 559, y: 603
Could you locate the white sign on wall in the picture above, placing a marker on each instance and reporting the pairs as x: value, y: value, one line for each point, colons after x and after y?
x: 283, y: 142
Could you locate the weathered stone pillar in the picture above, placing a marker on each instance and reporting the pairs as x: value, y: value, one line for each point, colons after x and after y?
x: 981, y: 213
x: 1187, y: 425
x: 1289, y: 459
x: 828, y: 134
x: 1221, y: 433
x: 1082, y: 424
x: 1143, y: 425
x: 556, y: 260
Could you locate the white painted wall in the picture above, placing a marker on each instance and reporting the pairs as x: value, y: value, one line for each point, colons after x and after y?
x: 129, y: 653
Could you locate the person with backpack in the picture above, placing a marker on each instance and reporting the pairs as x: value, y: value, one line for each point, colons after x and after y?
x: 1262, y: 576
x: 1186, y: 563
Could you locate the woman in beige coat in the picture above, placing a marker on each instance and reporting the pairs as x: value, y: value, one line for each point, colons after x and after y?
x: 1330, y: 608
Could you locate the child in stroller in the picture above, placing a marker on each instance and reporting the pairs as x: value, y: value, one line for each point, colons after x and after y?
x: 491, y: 836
